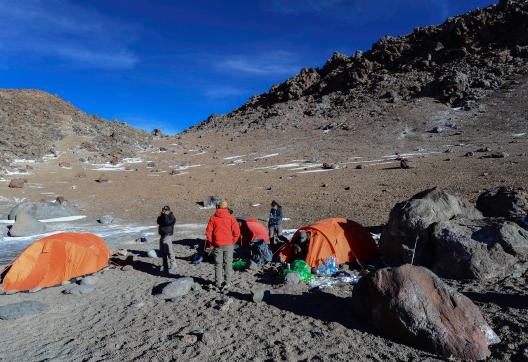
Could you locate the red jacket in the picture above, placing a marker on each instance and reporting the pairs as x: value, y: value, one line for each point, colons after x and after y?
x: 251, y: 230
x: 222, y: 229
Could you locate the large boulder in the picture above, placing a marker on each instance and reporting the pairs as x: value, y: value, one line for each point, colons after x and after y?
x: 411, y: 305
x: 41, y: 210
x: 478, y: 249
x: 409, y: 222
x: 22, y: 309
x: 503, y: 202
x: 26, y: 225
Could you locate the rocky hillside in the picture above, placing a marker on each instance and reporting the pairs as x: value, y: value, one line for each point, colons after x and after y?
x: 32, y: 121
x: 456, y: 63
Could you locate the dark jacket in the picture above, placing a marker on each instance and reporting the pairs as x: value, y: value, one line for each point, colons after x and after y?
x: 166, y: 224
x: 275, y: 217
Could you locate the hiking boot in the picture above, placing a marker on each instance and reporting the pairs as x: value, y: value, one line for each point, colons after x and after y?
x: 162, y: 269
x: 226, y: 287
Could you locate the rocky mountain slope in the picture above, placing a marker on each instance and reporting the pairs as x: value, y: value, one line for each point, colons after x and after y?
x: 32, y: 121
x: 455, y: 63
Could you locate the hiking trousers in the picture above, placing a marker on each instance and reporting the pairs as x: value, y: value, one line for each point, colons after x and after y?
x: 223, y: 256
x: 166, y: 252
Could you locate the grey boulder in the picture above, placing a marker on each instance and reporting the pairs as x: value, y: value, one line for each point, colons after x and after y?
x: 211, y: 202
x: 478, y: 249
x: 41, y: 210
x: 503, y: 202
x: 79, y: 290
x: 292, y: 278
x: 177, y: 288
x: 21, y: 309
x: 106, y: 220
x: 409, y: 222
x: 411, y: 305
x: 26, y: 225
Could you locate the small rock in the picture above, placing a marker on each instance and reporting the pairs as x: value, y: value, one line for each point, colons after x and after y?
x: 66, y: 282
x: 177, y: 288
x: 406, y: 164
x: 114, y: 161
x: 292, y: 278
x: 136, y: 302
x: 151, y: 164
x: 64, y: 164
x: 122, y: 252
x: 106, y: 220
x: 359, y: 167
x: 189, y: 339
x: 89, y: 280
x: 347, y: 188
x: 469, y: 154
x: 80, y: 289
x: 127, y: 268
x: 484, y: 149
x: 22, y: 309
x: 152, y: 253
x: 437, y: 129
x: 329, y: 166
x: 102, y: 178
x: 17, y: 183
x: 258, y: 293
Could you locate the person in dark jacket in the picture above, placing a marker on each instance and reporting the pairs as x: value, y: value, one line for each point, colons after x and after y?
x: 275, y: 222
x: 166, y: 221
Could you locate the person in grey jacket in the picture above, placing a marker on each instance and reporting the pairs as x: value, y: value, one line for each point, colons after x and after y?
x: 275, y: 221
x: 166, y: 221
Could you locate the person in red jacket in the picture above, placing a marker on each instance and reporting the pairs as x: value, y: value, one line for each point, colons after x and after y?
x: 222, y: 233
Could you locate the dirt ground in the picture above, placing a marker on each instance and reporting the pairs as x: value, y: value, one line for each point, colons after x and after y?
x: 250, y: 170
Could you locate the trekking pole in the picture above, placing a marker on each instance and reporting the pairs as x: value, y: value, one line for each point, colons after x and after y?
x: 414, y: 250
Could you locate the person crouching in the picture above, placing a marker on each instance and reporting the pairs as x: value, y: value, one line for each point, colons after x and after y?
x: 222, y: 233
x: 166, y: 221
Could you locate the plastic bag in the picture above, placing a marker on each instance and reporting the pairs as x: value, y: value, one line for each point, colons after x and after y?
x: 300, y: 266
x: 240, y: 264
x: 329, y: 267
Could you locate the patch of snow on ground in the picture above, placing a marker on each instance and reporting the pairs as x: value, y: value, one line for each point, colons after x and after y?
x: 181, y: 168
x: 17, y: 172
x: 233, y: 157
x: 277, y: 167
x: 519, y: 134
x: 307, y: 166
x: 316, y: 171
x: 132, y: 160
x: 22, y: 160
x: 266, y: 156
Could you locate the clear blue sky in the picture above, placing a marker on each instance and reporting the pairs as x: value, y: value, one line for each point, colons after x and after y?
x: 169, y: 64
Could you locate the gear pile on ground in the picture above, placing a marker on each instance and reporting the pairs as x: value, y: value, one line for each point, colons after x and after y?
x: 456, y: 63
x: 31, y: 121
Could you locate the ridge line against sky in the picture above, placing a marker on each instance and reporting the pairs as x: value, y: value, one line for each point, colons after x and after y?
x: 168, y: 65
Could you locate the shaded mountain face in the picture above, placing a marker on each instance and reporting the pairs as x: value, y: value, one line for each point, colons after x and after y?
x: 455, y: 63
x: 32, y: 121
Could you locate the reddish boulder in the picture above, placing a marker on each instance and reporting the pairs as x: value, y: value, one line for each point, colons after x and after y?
x: 17, y: 183
x: 411, y: 305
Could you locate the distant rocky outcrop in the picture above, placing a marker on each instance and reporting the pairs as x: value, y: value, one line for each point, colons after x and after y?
x: 32, y: 121
x: 457, y: 63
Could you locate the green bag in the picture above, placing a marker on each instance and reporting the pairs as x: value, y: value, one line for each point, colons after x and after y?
x: 300, y: 266
x: 239, y: 264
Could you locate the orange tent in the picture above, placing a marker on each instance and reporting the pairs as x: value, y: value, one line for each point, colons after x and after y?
x: 55, y: 259
x: 344, y: 239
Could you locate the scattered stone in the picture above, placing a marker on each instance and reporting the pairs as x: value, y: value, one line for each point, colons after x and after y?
x: 42, y: 210
x: 151, y: 164
x: 136, y: 302
x: 177, y: 288
x: 114, y: 161
x: 411, y: 305
x: 484, y: 149
x: 406, y: 164
x: 81, y: 175
x: 347, y: 188
x: 497, y: 155
x: 469, y: 154
x: 127, y: 267
x: 64, y: 164
x: 324, y: 185
x: 106, y: 220
x: 478, y: 249
x: 258, y: 293
x: 225, y: 304
x: 152, y: 253
x: 163, y: 149
x: 66, y: 282
x: 359, y: 167
x: 292, y: 278
x: 409, y: 222
x: 17, y: 183
x: 503, y: 202
x: 211, y: 202
x: 189, y: 339
x: 122, y: 252
x: 437, y: 129
x: 102, y: 178
x: 22, y: 309
x: 88, y: 280
x: 329, y: 166
x: 79, y: 290
x: 26, y: 225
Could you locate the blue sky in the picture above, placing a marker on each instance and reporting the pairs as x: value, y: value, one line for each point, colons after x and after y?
x: 169, y: 64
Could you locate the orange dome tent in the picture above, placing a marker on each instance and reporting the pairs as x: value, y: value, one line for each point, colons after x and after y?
x: 55, y: 259
x: 344, y: 239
